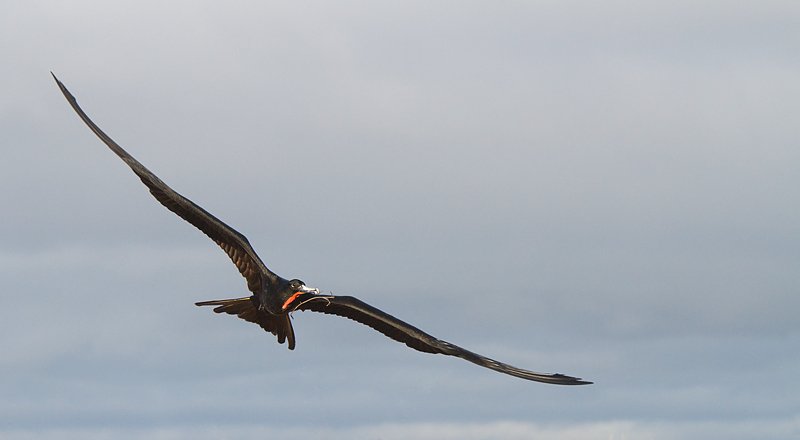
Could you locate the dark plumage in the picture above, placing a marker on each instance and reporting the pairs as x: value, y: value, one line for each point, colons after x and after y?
x: 273, y: 297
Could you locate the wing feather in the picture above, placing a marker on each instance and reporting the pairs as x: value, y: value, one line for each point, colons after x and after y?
x: 357, y: 310
x: 231, y: 241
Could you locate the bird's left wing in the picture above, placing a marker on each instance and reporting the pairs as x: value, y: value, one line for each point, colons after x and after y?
x: 231, y: 241
x: 357, y: 310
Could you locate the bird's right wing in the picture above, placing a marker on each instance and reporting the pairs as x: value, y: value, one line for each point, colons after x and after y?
x: 231, y: 241
x: 357, y: 310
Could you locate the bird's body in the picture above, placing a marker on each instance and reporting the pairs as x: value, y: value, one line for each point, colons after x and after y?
x: 273, y: 298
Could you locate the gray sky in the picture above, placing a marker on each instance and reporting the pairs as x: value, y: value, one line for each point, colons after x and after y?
x: 603, y: 189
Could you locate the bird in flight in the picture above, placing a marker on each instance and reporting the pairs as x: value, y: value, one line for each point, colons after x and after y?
x: 273, y: 298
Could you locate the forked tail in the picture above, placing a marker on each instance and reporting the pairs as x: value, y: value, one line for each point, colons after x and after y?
x: 226, y: 304
x: 245, y: 308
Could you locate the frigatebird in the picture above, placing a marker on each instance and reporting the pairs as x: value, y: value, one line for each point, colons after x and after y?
x: 274, y: 298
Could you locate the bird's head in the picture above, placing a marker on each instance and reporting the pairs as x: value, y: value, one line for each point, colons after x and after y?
x: 294, y: 290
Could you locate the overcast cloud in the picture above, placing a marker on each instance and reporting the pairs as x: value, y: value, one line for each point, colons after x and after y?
x: 603, y: 189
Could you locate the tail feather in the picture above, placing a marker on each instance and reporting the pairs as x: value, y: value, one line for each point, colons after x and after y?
x: 244, y: 308
x: 231, y: 306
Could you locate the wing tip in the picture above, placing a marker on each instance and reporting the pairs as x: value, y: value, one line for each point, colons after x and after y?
x: 563, y: 379
x: 64, y: 90
x: 60, y: 84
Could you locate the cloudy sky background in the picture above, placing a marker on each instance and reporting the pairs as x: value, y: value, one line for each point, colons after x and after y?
x: 608, y: 190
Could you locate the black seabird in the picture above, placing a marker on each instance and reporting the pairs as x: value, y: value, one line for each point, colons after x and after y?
x: 273, y: 297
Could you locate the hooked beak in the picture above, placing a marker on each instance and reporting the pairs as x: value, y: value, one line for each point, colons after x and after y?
x: 306, y: 289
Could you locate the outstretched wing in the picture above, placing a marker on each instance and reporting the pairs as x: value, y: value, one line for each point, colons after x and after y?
x: 357, y: 310
x: 232, y: 242
x: 278, y: 325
